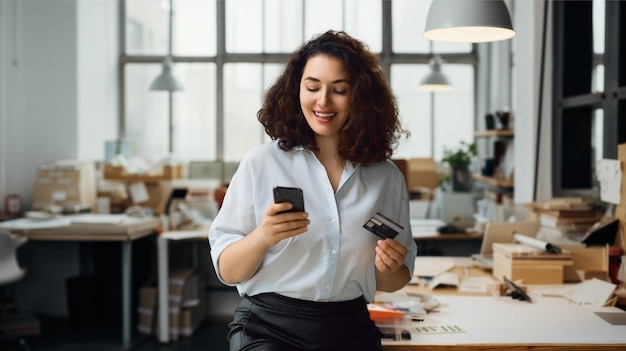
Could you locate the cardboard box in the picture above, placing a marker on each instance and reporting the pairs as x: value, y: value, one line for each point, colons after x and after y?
x: 192, y: 317
x: 532, y: 266
x: 188, y: 319
x: 421, y: 173
x: 589, y: 263
x: 158, y: 194
x: 166, y: 172
x: 185, y: 292
x: 148, y: 300
x: 65, y: 183
x: 187, y: 305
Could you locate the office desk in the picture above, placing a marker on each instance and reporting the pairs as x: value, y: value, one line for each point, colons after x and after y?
x: 94, y: 228
x: 426, y: 230
x: 502, y: 323
x: 452, y: 244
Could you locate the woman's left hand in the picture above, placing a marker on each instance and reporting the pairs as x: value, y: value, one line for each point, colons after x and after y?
x: 390, y: 255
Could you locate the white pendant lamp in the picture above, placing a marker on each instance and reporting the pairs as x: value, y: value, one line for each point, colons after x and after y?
x: 469, y: 21
x: 436, y: 80
x: 166, y: 81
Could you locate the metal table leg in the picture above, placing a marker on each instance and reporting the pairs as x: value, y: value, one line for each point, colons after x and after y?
x: 163, y: 267
x: 126, y: 292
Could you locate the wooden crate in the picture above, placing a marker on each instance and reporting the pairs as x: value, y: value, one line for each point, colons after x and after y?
x: 168, y: 172
x: 516, y: 262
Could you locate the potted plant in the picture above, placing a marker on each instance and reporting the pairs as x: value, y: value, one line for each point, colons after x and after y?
x: 459, y: 161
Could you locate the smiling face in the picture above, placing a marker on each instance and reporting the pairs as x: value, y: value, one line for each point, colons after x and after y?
x: 325, y: 91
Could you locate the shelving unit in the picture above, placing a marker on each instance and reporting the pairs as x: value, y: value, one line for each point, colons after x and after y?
x: 494, y: 181
x: 494, y: 133
x: 499, y: 183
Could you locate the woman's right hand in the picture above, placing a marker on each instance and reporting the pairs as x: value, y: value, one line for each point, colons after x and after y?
x: 240, y: 260
x: 277, y: 225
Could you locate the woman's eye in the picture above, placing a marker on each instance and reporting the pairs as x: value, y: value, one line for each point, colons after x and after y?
x: 312, y: 89
x: 341, y: 92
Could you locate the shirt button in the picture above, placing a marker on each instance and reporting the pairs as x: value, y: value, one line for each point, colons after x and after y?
x: 333, y: 252
x: 334, y: 220
x: 328, y: 287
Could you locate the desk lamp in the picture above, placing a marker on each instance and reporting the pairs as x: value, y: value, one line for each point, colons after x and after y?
x: 469, y: 21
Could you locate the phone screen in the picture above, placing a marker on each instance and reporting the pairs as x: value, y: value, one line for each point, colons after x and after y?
x: 293, y: 195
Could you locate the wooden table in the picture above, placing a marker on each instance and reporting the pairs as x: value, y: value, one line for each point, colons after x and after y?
x: 90, y: 227
x: 502, y: 323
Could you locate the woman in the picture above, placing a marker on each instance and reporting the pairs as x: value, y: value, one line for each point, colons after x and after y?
x: 306, y: 277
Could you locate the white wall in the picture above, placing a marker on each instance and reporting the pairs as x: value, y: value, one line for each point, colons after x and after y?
x: 528, y: 22
x: 97, y: 97
x: 59, y: 86
x: 58, y: 100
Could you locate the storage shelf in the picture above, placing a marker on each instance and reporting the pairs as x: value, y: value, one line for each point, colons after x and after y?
x: 493, y: 181
x: 494, y: 133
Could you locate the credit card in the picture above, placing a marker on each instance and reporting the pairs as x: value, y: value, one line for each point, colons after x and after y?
x: 382, y: 226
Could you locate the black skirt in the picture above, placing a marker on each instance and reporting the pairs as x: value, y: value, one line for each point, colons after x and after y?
x: 279, y: 323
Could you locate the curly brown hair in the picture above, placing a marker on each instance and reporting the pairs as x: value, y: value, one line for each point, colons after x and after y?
x: 372, y: 129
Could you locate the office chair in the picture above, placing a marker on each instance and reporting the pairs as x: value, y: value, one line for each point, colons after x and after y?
x: 10, y: 272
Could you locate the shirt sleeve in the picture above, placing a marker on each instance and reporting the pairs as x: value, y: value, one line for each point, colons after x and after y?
x: 408, y: 240
x: 236, y: 218
x: 406, y: 237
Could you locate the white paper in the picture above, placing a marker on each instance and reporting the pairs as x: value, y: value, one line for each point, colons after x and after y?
x: 591, y: 292
x: 432, y: 266
x: 99, y: 219
x: 476, y: 284
x: 610, y: 177
x: 185, y: 234
x: 27, y: 223
x: 444, y: 279
x: 138, y: 192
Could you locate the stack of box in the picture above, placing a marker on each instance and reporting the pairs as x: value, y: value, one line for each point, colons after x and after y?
x: 187, y: 305
x: 532, y: 265
x: 65, y: 183
x: 564, y: 217
x: 186, y: 302
x: 148, y: 301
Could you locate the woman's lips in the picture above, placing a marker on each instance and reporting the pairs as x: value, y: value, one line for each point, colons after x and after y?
x: 324, y: 117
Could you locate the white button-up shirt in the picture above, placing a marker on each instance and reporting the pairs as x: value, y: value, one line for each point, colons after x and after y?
x: 334, y: 259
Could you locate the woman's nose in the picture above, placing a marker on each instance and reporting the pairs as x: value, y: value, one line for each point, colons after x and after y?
x: 322, y: 99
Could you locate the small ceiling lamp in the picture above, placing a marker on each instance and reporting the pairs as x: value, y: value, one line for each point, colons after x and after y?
x: 166, y: 81
x: 469, y: 21
x: 435, y: 80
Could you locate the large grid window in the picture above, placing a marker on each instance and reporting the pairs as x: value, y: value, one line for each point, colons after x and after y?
x: 226, y: 53
x: 589, y: 90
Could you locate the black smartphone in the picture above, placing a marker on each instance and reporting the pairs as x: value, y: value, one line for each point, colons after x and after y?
x: 293, y: 195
